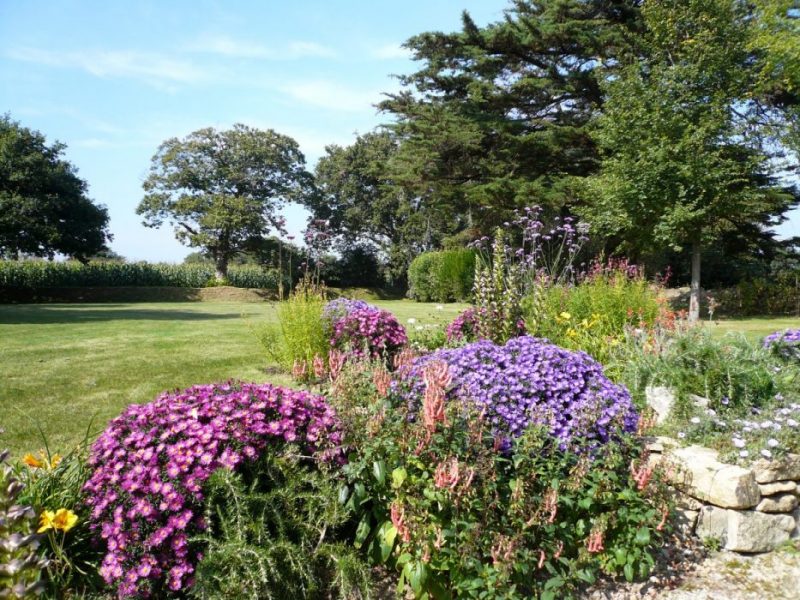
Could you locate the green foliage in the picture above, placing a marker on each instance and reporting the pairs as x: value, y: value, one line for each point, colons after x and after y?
x: 21, y: 565
x: 759, y: 296
x: 221, y: 190
x: 44, y: 209
x: 299, y: 336
x: 594, y: 314
x: 442, y: 276
x: 455, y: 517
x: 688, y: 157
x: 58, y: 483
x: 276, y: 531
x: 483, y: 121
x: 498, y: 293
x: 731, y: 372
x: 44, y: 274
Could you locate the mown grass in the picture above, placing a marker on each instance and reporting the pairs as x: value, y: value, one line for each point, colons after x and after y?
x: 66, y: 366
x: 754, y: 328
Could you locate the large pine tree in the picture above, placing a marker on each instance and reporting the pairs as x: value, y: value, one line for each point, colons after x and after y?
x: 497, y: 116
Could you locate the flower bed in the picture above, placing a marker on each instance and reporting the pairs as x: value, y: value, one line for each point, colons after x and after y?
x: 529, y: 380
x: 146, y: 491
x: 363, y: 330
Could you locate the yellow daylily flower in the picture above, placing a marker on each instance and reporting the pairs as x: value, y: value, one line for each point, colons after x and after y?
x: 46, y: 521
x: 61, y: 520
x: 33, y: 462
x: 64, y: 519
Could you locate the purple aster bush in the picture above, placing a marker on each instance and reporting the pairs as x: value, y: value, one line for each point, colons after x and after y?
x: 369, y: 332
x: 785, y: 344
x: 531, y: 381
x: 146, y: 491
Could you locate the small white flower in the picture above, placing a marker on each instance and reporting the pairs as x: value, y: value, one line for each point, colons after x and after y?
x: 711, y: 412
x: 412, y: 320
x: 766, y: 424
x: 773, y: 443
x: 784, y: 411
x: 744, y: 454
x: 777, y: 426
x: 739, y: 443
x: 695, y: 420
x: 747, y: 429
x: 791, y: 423
x: 439, y: 307
x: 766, y: 453
x: 419, y: 328
x: 681, y: 435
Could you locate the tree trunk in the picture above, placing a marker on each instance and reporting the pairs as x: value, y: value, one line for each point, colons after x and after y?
x: 222, y: 268
x: 694, y: 293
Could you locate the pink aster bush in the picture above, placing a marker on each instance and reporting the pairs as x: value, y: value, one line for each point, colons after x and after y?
x: 369, y: 332
x: 150, y: 464
x: 464, y: 328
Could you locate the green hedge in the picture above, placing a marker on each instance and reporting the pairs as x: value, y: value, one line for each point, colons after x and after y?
x: 33, y: 274
x: 443, y: 276
x: 779, y: 296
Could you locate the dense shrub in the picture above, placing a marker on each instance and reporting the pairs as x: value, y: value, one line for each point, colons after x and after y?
x: 785, y: 344
x: 357, y: 266
x: 276, y: 529
x: 456, y: 517
x: 300, y: 336
x: 442, y: 276
x: 369, y: 332
x: 593, y: 314
x: 146, y: 492
x: 759, y: 296
x: 530, y: 381
x: 45, y: 274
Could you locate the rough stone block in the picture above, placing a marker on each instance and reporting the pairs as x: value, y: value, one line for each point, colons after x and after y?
x: 712, y: 523
x: 702, y: 476
x: 779, y: 469
x: 685, y: 520
x: 780, y: 503
x: 751, y: 531
x: 778, y: 487
x: 660, y: 399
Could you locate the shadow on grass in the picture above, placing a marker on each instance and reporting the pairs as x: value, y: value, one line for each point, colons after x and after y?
x: 43, y: 314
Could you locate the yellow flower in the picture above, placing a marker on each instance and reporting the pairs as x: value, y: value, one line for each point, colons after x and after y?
x: 64, y: 519
x: 42, y: 461
x: 33, y: 462
x: 46, y: 521
x: 565, y: 315
x: 61, y: 520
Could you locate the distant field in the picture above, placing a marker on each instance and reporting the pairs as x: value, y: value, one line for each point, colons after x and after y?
x: 66, y: 366
x: 753, y: 328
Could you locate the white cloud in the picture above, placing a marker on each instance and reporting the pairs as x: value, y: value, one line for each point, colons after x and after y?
x: 227, y: 46
x: 390, y: 52
x: 326, y: 94
x: 152, y: 68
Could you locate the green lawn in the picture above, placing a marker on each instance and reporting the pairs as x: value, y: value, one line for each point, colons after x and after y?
x: 66, y: 366
x: 754, y: 328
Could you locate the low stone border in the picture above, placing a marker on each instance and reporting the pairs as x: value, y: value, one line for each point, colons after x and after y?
x: 745, y: 509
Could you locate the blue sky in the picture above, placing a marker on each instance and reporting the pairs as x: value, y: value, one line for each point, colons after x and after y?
x: 113, y: 79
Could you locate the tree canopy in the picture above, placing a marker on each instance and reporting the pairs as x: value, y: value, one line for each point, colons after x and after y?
x: 496, y: 118
x: 44, y: 207
x: 222, y: 190
x: 691, y: 136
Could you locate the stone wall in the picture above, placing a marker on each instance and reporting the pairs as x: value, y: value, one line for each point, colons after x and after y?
x: 745, y: 509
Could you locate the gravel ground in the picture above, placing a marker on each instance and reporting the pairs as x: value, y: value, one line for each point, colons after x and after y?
x: 687, y: 571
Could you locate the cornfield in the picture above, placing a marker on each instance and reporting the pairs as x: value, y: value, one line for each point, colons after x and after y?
x: 45, y: 274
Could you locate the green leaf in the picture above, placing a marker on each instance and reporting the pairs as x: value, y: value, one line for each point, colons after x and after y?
x: 642, y: 536
x: 362, y: 531
x: 379, y: 471
x: 399, y: 475
x: 417, y: 573
x: 620, y: 556
x: 628, y: 570
x: 344, y: 494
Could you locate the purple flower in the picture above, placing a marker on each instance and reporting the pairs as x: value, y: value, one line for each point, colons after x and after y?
x: 147, y: 502
x: 531, y: 381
